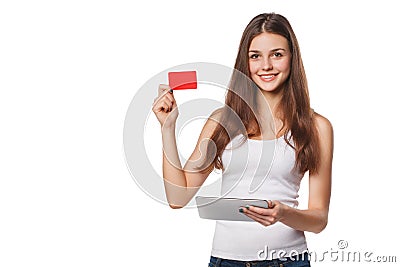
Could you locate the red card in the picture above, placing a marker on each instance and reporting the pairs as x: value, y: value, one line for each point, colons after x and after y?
x: 182, y: 80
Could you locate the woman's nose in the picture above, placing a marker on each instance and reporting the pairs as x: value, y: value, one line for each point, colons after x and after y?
x: 267, y: 64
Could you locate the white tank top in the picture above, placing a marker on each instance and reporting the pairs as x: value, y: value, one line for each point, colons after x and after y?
x: 258, y: 169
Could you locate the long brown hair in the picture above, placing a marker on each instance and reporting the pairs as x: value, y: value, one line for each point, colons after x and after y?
x: 297, y: 116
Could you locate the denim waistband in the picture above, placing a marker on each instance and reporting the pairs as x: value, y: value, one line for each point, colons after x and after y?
x: 298, y: 260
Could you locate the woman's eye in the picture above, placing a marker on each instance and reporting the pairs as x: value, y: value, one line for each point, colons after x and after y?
x: 254, y: 56
x: 277, y: 54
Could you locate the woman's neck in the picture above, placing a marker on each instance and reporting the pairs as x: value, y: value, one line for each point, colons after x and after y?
x: 269, y: 101
x: 269, y: 119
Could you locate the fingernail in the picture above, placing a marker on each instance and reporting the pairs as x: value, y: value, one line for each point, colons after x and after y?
x: 240, y: 210
x: 171, y: 91
x: 247, y: 207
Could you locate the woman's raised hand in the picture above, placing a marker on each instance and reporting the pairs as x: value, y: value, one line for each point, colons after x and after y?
x: 165, y: 107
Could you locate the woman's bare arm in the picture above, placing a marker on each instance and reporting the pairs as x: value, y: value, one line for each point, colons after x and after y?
x: 181, y: 184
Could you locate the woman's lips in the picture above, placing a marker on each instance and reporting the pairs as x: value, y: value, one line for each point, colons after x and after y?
x: 267, y: 77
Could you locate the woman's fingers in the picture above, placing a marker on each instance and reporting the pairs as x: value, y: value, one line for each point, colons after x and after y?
x: 165, y: 94
x: 165, y: 98
x: 162, y: 89
x: 170, y: 97
x: 255, y: 214
x: 260, y: 211
x: 261, y: 215
x: 163, y: 105
x: 259, y: 220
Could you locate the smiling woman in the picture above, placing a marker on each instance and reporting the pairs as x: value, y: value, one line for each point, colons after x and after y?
x: 272, y: 104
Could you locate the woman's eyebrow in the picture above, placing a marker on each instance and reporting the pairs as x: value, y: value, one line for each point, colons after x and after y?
x: 272, y: 50
x: 277, y: 49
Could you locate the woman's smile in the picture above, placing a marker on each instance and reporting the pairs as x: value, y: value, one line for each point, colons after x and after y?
x: 267, y: 77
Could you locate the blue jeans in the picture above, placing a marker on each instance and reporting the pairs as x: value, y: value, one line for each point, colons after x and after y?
x: 300, y: 261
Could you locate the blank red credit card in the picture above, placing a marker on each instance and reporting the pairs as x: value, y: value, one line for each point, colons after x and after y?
x: 181, y: 80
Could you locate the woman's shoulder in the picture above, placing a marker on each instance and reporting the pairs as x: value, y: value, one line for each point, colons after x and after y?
x: 322, y: 123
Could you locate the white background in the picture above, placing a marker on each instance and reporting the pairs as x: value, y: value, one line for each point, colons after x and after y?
x: 69, y: 70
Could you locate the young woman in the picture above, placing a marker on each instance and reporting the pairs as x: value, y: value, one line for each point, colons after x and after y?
x: 276, y: 92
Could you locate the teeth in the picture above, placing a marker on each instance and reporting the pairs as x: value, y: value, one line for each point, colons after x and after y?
x: 267, y: 77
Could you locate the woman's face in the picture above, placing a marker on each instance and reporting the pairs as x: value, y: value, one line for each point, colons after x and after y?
x: 269, y: 61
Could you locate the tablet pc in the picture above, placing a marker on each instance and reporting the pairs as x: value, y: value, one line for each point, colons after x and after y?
x: 217, y: 208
